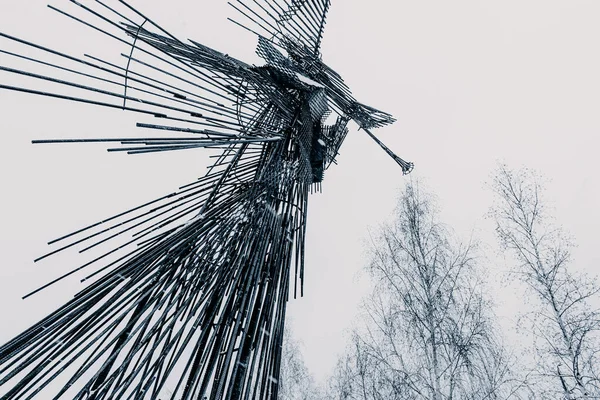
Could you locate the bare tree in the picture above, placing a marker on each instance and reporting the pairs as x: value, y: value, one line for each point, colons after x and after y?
x: 360, y: 374
x: 295, y: 381
x: 566, y: 326
x: 429, y: 331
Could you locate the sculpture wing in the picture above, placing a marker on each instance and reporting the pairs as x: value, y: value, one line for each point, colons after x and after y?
x: 300, y: 20
x: 210, y: 98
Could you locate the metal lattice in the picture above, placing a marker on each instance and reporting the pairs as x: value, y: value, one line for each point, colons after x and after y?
x: 193, y: 297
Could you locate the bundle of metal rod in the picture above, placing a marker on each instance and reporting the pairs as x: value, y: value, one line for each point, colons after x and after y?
x: 188, y: 292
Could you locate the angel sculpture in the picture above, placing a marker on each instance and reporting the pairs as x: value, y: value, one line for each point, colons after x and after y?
x: 189, y: 301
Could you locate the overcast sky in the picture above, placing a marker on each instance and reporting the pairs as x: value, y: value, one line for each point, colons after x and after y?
x: 470, y: 82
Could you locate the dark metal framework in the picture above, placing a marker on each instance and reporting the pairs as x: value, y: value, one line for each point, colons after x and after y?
x: 189, y: 300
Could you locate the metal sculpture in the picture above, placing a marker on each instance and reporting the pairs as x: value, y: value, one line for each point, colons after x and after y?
x: 193, y: 300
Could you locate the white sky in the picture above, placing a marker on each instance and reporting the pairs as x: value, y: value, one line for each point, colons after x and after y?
x: 470, y: 82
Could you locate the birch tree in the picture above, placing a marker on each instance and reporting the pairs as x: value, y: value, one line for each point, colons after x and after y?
x: 566, y: 325
x: 428, y: 330
x: 295, y: 380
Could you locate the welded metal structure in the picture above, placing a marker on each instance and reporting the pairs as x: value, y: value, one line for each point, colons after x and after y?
x: 188, y: 299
